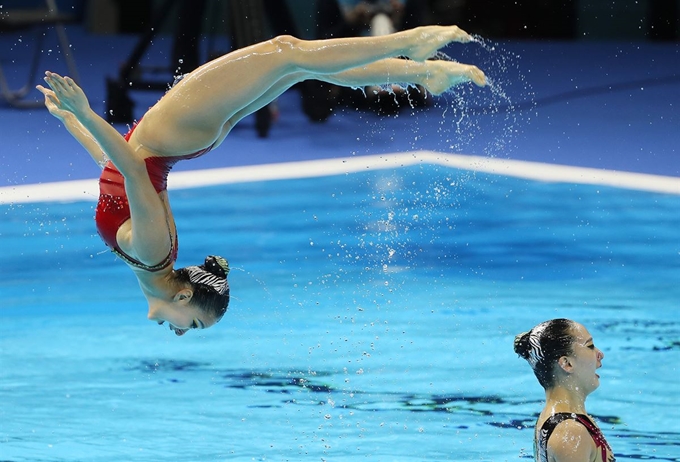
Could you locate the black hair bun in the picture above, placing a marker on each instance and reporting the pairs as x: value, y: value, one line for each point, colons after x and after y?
x: 521, y: 344
x: 217, y: 266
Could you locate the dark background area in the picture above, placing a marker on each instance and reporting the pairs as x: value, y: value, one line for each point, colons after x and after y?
x: 526, y: 19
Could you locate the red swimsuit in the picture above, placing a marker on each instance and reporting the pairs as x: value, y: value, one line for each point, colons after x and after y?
x: 113, y: 208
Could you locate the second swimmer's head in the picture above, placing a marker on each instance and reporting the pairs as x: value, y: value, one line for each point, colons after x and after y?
x: 543, y: 345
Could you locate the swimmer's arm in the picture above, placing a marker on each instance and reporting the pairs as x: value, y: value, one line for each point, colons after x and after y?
x: 571, y: 442
x: 86, y: 140
x: 147, y: 211
x: 149, y: 235
x: 112, y: 143
x: 69, y: 97
x: 74, y: 127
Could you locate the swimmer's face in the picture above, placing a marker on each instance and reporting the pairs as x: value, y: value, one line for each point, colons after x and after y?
x: 180, y: 319
x: 585, y: 359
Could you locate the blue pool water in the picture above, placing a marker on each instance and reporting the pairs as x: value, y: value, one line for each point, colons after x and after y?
x: 372, y: 317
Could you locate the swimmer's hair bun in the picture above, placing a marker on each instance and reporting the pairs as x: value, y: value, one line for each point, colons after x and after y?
x: 217, y: 266
x: 522, y: 345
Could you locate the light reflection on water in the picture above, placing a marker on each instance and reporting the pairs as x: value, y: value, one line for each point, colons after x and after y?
x: 373, y: 317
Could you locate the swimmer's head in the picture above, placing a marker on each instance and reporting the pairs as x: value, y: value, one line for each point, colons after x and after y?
x: 544, y: 345
x: 209, y: 286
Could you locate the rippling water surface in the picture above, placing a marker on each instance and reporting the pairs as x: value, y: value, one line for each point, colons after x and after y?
x: 372, y: 318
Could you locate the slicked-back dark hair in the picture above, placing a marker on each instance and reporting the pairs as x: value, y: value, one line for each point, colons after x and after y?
x: 543, y: 345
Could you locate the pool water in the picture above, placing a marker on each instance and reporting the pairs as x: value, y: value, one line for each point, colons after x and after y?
x: 372, y: 317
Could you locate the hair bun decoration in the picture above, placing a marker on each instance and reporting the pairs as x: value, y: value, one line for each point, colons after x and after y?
x: 217, y: 266
x: 224, y: 264
x: 535, y: 348
x: 528, y: 345
x: 212, y: 273
x: 520, y: 344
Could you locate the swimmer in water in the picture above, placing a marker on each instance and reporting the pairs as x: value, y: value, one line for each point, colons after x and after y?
x: 133, y: 215
x: 564, y: 359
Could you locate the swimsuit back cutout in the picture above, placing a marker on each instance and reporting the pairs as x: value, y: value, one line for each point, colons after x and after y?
x: 541, y: 439
x: 113, y: 208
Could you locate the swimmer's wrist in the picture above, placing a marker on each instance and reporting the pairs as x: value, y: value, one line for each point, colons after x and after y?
x: 87, y: 116
x: 66, y: 117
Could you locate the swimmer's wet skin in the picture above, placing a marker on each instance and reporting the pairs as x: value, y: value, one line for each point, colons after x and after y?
x: 195, y: 116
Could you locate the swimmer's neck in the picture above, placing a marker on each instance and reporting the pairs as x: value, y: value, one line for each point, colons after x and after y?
x: 563, y: 399
x: 156, y: 286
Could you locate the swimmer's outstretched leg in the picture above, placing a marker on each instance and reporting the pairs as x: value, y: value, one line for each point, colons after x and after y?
x: 192, y: 114
x: 435, y: 76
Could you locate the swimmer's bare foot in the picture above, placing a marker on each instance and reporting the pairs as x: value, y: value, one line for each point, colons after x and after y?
x: 443, y: 75
x: 427, y: 40
x: 477, y: 76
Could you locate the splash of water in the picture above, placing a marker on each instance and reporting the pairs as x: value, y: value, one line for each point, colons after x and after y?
x: 486, y: 122
x: 260, y: 282
x: 479, y: 121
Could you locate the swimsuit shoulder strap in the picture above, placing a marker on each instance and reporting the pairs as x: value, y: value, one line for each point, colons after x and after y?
x: 167, y: 261
x: 543, y: 435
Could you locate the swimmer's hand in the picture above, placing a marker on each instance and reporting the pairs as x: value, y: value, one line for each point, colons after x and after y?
x: 66, y: 95
x: 73, y: 125
x: 53, y: 104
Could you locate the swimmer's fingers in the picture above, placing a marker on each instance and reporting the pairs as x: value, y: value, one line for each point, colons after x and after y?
x: 69, y: 93
x: 65, y: 84
x: 55, y: 81
x: 71, y: 83
x: 45, y: 91
x: 50, y: 98
x: 52, y: 103
x: 62, y: 85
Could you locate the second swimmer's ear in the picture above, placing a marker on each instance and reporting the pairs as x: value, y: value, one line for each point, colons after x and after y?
x: 564, y: 363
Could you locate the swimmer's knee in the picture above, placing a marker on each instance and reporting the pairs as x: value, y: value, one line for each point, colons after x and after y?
x: 292, y: 52
x: 286, y: 42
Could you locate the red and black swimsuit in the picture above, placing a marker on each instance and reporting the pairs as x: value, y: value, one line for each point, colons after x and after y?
x: 113, y: 208
x: 541, y: 441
